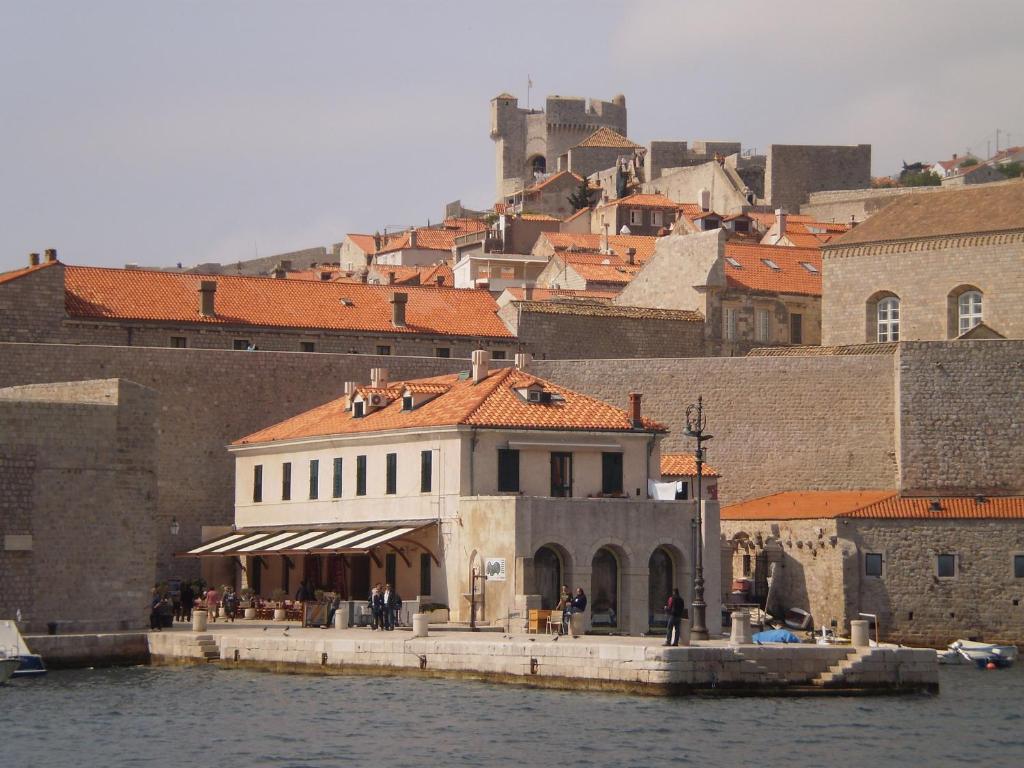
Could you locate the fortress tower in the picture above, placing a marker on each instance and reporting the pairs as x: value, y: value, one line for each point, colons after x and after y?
x: 529, y: 141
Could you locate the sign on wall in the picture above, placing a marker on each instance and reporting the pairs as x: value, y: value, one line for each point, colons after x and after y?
x: 494, y: 568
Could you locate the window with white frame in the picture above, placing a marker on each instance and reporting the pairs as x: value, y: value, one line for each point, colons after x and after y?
x: 656, y: 218
x: 636, y: 217
x: 889, y: 319
x: 969, y: 310
x: 762, y: 325
x: 729, y: 323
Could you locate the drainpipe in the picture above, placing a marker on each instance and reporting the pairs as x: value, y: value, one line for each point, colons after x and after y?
x: 650, y: 450
x: 472, y: 463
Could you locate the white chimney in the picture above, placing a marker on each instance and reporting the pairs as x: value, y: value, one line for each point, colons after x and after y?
x: 780, y: 219
x: 412, y: 237
x: 481, y: 363
x: 704, y: 198
x: 378, y: 377
x: 604, y: 237
x: 523, y: 360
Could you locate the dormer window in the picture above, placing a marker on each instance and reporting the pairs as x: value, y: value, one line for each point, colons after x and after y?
x: 770, y: 264
x: 358, y: 409
x: 407, y: 404
x: 809, y: 267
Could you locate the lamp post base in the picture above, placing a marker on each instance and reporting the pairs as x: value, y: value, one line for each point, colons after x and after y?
x: 699, y: 627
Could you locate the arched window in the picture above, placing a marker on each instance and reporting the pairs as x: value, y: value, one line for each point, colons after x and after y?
x: 538, y: 164
x: 968, y: 310
x: 889, y: 319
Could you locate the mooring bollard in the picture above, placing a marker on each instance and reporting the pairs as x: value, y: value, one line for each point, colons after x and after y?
x: 420, y: 624
x: 199, y: 619
x: 740, y: 633
x: 859, y: 634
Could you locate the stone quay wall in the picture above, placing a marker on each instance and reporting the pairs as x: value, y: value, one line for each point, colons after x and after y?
x: 207, y: 398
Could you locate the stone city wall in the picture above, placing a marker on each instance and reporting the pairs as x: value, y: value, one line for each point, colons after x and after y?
x: 844, y: 205
x: 793, y: 171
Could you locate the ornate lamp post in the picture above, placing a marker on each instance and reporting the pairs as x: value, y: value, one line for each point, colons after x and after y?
x: 695, y: 424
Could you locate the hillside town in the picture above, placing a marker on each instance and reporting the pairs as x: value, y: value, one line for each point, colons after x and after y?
x: 488, y: 407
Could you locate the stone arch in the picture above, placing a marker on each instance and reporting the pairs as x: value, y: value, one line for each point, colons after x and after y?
x: 537, y: 164
x: 551, y: 567
x: 667, y: 568
x: 609, y: 586
x: 965, y: 294
x: 883, y: 301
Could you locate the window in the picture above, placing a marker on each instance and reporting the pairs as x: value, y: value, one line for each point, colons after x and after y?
x: 770, y: 264
x: 426, y: 470
x: 636, y: 217
x: 499, y: 354
x: 889, y: 319
x: 443, y: 352
x: 286, y: 481
x: 307, y: 346
x: 508, y: 470
x: 314, y: 478
x: 729, y: 323
x: 741, y: 225
x: 611, y: 473
x: 424, y: 574
x: 508, y: 273
x: 360, y: 475
x: 733, y: 262
x: 257, y: 483
x: 561, y: 475
x: 656, y: 218
x: 762, y: 325
x: 746, y: 565
x: 383, y: 349
x: 1018, y: 566
x: 484, y: 270
x: 391, y: 480
x: 969, y: 310
x: 179, y: 342
x: 809, y: 267
x: 796, y: 329
x: 390, y: 568
x: 336, y: 489
x: 240, y: 344
x: 682, y: 490
x: 358, y: 409
x: 872, y: 564
x: 946, y: 566
x: 407, y: 402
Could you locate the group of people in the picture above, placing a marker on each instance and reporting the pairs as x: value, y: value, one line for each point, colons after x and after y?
x: 385, y: 605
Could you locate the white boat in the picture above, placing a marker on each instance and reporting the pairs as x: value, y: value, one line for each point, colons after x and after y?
x: 12, y: 646
x: 982, y: 654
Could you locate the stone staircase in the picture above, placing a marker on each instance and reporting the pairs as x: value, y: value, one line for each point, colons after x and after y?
x: 835, y: 676
x: 207, y: 647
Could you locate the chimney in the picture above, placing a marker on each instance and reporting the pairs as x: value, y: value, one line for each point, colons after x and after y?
x: 704, y: 198
x: 51, y: 255
x: 523, y: 360
x: 33, y: 259
x: 528, y: 291
x: 280, y: 274
x: 378, y: 377
x: 286, y: 265
x: 439, y: 280
x: 412, y: 237
x: 398, y: 302
x: 351, y: 387
x: 634, y: 410
x: 391, y: 277
x: 780, y: 219
x: 604, y: 238
x: 954, y: 155
x: 631, y: 255
x: 207, y: 292
x: 481, y: 362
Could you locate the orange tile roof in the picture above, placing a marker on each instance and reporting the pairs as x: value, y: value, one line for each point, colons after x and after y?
x: 576, y: 215
x: 552, y: 179
x: 684, y: 465
x: 599, y: 267
x: 365, y: 243
x: 791, y: 277
x: 806, y: 505
x: 547, y: 294
x: 127, y: 294
x: 538, y: 217
x: 606, y: 137
x: 643, y: 201
x: 419, y: 275
x: 642, y: 244
x: 7, y: 277
x: 492, y: 403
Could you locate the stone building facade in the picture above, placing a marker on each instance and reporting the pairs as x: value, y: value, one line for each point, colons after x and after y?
x: 929, y: 267
x: 793, y: 171
x: 78, y: 504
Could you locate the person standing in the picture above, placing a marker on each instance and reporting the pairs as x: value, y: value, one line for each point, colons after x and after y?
x: 564, y: 606
x: 188, y: 597
x: 377, y: 607
x: 212, y: 601
x: 230, y: 602
x: 578, y: 606
x: 675, y: 609
x: 388, y: 604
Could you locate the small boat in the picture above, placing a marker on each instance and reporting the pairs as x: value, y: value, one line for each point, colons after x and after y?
x: 797, y: 618
x: 13, y: 645
x: 982, y: 654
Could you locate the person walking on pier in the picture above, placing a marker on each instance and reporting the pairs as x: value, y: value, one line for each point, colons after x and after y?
x: 675, y: 609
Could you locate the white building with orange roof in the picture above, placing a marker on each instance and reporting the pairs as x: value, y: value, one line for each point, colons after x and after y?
x: 433, y: 483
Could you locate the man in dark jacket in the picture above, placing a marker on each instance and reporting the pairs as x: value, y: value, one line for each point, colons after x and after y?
x: 675, y: 609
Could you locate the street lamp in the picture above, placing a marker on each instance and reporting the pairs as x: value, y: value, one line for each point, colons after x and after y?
x: 696, y: 421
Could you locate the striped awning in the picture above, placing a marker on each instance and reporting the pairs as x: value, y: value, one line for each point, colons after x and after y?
x: 304, y: 540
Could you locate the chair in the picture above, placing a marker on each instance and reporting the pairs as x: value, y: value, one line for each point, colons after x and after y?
x: 554, y: 625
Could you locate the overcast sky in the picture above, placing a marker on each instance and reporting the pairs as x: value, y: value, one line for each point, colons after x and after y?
x: 163, y: 132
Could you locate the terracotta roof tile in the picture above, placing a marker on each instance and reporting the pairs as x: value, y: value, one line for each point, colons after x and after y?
x: 684, y: 465
x: 538, y: 217
x: 365, y: 243
x: 807, y: 505
x: 492, y: 403
x: 643, y: 201
x: 791, y: 277
x: 7, y: 277
x: 642, y: 244
x: 547, y: 294
x: 606, y: 137
x: 97, y: 292
x: 560, y: 176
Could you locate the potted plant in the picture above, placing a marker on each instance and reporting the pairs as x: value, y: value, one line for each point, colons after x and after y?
x: 247, y: 596
x: 278, y: 596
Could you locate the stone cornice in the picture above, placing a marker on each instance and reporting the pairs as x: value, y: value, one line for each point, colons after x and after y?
x: 942, y: 242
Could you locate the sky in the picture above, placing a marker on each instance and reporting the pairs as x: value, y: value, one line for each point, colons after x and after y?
x: 157, y: 132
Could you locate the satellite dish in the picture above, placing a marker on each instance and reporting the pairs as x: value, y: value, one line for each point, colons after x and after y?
x: 625, y: 230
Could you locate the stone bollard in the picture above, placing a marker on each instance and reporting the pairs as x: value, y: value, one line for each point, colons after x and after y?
x: 859, y: 634
x: 740, y: 634
x: 684, y: 632
x: 339, y: 619
x: 420, y: 623
x: 199, y: 619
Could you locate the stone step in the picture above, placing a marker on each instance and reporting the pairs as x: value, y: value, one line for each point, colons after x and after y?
x: 836, y: 674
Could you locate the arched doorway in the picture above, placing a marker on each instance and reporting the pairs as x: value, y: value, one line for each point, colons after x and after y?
x: 660, y: 581
x: 538, y: 164
x: 547, y: 576
x: 604, y: 589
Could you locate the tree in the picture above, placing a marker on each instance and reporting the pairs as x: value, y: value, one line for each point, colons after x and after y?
x: 583, y: 197
x: 922, y: 179
x: 1011, y: 170
x: 968, y: 162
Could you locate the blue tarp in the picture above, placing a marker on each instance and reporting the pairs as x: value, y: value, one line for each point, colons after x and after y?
x: 776, y: 636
